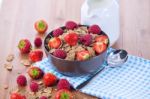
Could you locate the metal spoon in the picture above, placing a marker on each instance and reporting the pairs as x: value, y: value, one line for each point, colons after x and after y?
x: 114, y: 59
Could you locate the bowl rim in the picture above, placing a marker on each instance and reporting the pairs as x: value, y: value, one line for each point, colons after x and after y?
x: 63, y: 27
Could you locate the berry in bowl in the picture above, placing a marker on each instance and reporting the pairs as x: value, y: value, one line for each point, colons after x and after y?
x: 76, y: 49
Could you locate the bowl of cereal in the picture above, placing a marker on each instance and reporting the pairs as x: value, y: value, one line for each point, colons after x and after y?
x: 76, y: 49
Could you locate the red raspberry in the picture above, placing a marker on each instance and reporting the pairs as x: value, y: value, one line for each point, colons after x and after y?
x: 58, y: 32
x: 43, y: 97
x: 86, y: 39
x: 34, y: 86
x: 60, y: 53
x: 63, y: 84
x: 21, y: 80
x: 71, y: 25
x: 38, y: 42
x: 95, y: 29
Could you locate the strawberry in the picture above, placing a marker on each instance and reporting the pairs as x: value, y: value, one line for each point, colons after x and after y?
x: 71, y: 39
x: 54, y: 42
x: 24, y: 46
x: 17, y: 96
x: 41, y: 26
x: 99, y: 47
x: 64, y: 94
x: 36, y: 55
x: 83, y: 55
x: 102, y: 38
x: 49, y: 79
x: 35, y: 72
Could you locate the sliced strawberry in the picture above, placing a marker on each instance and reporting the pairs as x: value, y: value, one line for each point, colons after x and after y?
x: 102, y: 38
x: 54, y: 42
x: 71, y: 39
x: 41, y: 26
x: 64, y: 94
x: 99, y: 47
x: 83, y: 55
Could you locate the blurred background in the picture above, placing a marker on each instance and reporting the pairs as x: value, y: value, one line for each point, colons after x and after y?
x: 18, y: 16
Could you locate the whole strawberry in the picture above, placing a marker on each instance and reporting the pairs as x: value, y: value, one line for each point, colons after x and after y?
x: 21, y: 80
x: 41, y: 26
x: 49, y: 79
x: 17, y: 96
x: 24, y: 46
x: 35, y: 73
x: 63, y: 84
x: 36, y: 55
x: 34, y: 87
x: 64, y: 94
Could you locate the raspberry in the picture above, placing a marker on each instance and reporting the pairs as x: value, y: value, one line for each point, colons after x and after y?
x: 34, y: 86
x: 71, y: 25
x: 60, y: 53
x: 38, y: 42
x: 95, y: 29
x: 43, y: 97
x: 21, y: 80
x: 86, y: 39
x: 58, y: 32
x: 63, y: 84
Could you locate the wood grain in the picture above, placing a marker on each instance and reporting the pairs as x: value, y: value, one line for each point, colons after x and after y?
x: 18, y: 16
x: 135, y: 27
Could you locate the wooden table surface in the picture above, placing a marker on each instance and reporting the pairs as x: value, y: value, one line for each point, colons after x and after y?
x: 18, y: 16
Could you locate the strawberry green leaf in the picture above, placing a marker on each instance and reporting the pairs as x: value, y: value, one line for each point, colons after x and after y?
x: 41, y: 25
x: 64, y: 96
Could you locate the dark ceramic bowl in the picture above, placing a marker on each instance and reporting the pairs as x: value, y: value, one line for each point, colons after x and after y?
x: 75, y: 68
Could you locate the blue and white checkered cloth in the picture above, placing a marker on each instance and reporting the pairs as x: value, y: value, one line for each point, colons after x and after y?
x: 130, y: 81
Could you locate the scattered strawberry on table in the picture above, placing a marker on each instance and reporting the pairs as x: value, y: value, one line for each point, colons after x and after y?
x: 41, y: 26
x: 49, y: 79
x: 17, y: 96
x: 24, y: 46
x: 64, y: 94
x: 35, y: 72
x: 36, y: 55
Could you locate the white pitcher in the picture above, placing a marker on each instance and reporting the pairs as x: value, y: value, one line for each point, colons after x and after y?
x: 104, y: 13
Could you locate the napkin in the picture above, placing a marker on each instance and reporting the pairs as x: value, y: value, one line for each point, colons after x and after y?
x: 129, y: 81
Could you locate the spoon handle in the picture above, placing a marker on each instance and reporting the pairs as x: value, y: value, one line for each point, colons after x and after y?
x: 87, y: 81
